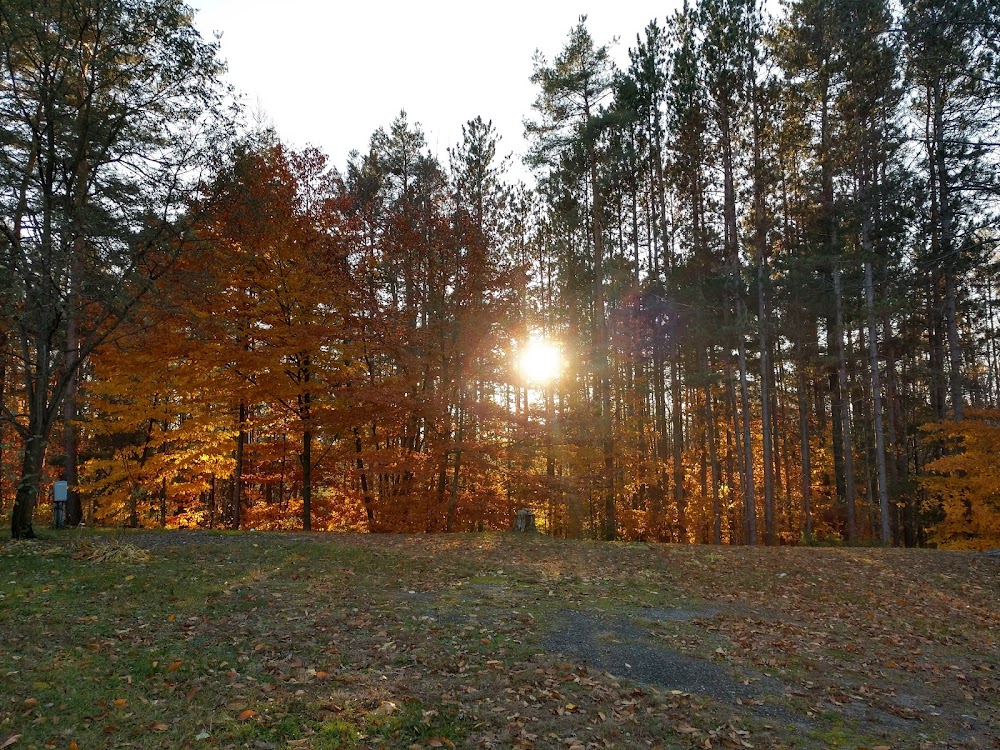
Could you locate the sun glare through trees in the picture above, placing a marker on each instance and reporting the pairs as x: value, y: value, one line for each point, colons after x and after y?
x: 763, y: 252
x: 540, y: 362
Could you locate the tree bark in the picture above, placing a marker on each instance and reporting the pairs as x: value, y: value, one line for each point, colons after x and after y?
x: 163, y: 502
x: 305, y: 414
x: 805, y: 449
x: 604, y: 382
x: 40, y: 418
x: 738, y: 531
x: 4, y: 370
x: 26, y: 497
x: 845, y: 409
x: 713, y: 456
x: 677, y: 421
x: 307, y: 440
x: 883, y: 485
x: 760, y: 238
x: 736, y: 283
x: 948, y: 257
x: 750, y: 501
x: 366, y: 495
x: 453, y: 499
x: 765, y: 404
x: 237, y: 493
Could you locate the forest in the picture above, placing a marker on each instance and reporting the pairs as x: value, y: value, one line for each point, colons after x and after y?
x: 749, y: 297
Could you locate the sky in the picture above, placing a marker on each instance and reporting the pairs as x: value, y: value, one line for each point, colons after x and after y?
x: 328, y: 74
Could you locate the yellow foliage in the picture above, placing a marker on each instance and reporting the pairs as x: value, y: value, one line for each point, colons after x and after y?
x: 964, y: 482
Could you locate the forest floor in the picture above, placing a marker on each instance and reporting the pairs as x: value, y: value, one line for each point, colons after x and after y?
x: 270, y: 641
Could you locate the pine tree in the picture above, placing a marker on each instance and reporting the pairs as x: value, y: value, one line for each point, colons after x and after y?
x: 572, y: 90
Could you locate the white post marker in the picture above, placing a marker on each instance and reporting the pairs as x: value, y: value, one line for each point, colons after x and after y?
x: 60, y: 493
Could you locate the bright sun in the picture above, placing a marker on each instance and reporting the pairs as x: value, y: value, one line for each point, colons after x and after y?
x: 541, y: 361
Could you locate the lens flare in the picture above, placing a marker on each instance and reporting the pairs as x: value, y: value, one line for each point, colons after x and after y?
x: 540, y: 361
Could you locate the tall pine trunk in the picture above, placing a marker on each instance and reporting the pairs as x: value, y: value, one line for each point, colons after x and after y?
x: 760, y: 239
x: 883, y: 486
x: 765, y: 404
x: 677, y: 443
x: 805, y: 449
x: 845, y: 408
x: 713, y: 454
x: 947, y: 250
x: 736, y: 292
x: 604, y: 381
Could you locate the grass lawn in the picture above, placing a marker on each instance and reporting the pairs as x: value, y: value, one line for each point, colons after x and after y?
x: 317, y: 641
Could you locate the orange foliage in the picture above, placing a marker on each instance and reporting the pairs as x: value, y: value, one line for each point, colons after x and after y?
x: 963, y: 484
x: 310, y: 354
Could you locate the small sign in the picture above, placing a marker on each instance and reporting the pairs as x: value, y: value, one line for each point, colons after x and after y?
x: 60, y: 492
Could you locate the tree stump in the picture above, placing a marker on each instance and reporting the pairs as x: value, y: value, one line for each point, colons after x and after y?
x: 525, y: 520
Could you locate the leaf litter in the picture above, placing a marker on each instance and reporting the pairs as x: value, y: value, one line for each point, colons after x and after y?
x: 315, y: 641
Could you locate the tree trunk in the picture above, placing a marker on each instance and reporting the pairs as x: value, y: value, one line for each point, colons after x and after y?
x: 883, y: 485
x: 954, y: 344
x: 604, y: 383
x: 947, y: 253
x: 28, y: 487
x: 4, y: 370
x: 431, y: 521
x: 736, y: 283
x: 713, y: 457
x: 453, y: 500
x: 307, y: 439
x: 237, y: 494
x: 163, y: 502
x: 660, y: 420
x: 737, y: 437
x: 677, y: 420
x: 74, y: 513
x: 845, y: 409
x: 40, y: 418
x: 760, y: 237
x: 366, y: 494
x: 765, y: 403
x: 211, y: 503
x: 804, y: 447
x: 305, y: 414
x: 749, y: 496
